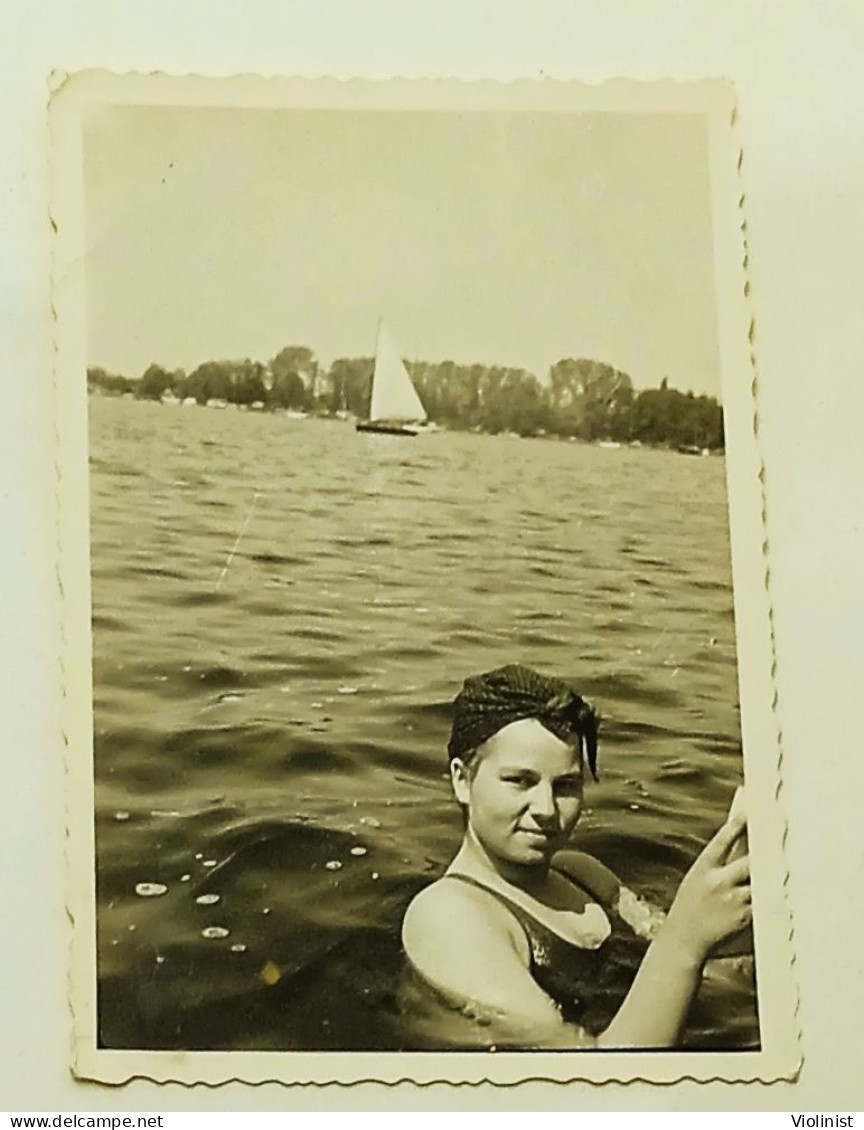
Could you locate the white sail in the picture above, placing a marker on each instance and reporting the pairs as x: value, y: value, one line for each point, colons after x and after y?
x: 394, y: 396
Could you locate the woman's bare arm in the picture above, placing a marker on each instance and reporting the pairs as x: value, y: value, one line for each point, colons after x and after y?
x: 712, y: 902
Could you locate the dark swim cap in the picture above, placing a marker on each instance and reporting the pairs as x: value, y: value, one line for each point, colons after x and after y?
x: 487, y: 703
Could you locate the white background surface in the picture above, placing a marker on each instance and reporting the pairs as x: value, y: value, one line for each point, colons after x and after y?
x: 798, y: 67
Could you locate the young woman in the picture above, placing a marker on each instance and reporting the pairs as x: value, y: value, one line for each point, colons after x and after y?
x: 509, y: 938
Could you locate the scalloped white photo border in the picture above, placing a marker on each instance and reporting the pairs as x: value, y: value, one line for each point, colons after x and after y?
x: 780, y: 1056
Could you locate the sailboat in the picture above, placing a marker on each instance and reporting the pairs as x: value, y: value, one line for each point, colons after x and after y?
x: 395, y: 408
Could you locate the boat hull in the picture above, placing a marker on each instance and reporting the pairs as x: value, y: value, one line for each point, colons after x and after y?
x: 387, y: 429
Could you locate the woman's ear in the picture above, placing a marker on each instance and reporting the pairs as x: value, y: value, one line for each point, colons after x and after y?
x: 460, y: 780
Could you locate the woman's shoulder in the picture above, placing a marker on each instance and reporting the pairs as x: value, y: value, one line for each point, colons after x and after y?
x: 447, y: 896
x: 593, y: 876
x: 450, y: 913
x: 433, y: 900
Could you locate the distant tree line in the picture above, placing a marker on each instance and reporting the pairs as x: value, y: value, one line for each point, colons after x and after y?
x: 583, y: 399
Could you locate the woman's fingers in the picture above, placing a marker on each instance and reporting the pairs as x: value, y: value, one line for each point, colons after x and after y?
x: 725, y: 839
x: 743, y: 909
x: 738, y: 871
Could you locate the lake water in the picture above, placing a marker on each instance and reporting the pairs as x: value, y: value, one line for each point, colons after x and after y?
x: 270, y: 727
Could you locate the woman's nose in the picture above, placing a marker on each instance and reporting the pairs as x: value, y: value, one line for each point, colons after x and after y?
x: 543, y: 807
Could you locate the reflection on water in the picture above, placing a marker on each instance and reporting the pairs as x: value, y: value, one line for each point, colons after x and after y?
x: 274, y: 733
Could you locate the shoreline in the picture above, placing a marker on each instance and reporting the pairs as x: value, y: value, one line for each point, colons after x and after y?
x: 340, y: 417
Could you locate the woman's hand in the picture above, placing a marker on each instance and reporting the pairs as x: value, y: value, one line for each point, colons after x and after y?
x: 713, y: 901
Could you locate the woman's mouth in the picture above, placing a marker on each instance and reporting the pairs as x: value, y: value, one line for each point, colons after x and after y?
x: 536, y: 834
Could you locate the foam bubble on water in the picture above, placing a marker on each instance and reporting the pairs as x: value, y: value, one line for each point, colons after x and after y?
x: 348, y: 690
x: 375, y: 875
x: 185, y: 878
x: 150, y: 890
x: 635, y: 807
x: 132, y: 926
x: 358, y: 850
x: 160, y: 960
x: 209, y: 863
x: 164, y: 812
x: 122, y: 815
x: 215, y: 932
x: 238, y: 947
x: 332, y: 865
x: 230, y: 697
x: 370, y: 821
x: 199, y: 854
x: 208, y: 900
x: 266, y: 910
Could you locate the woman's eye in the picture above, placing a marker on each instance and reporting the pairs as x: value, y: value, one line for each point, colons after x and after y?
x: 568, y: 788
x: 519, y: 779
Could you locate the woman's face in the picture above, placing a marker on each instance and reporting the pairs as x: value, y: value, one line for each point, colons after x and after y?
x: 523, y: 794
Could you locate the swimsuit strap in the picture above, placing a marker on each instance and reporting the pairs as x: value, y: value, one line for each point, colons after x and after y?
x: 580, y: 884
x: 529, y: 924
x: 537, y: 933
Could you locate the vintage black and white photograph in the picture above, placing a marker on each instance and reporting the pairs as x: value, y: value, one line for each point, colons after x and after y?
x: 420, y: 722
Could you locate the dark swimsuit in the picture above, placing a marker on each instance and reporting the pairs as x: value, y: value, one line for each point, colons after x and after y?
x: 562, y: 970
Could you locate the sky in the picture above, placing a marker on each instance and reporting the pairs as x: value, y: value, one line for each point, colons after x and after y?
x: 494, y: 237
